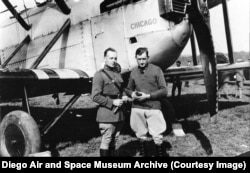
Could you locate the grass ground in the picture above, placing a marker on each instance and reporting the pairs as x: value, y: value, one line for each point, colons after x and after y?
x: 77, y: 135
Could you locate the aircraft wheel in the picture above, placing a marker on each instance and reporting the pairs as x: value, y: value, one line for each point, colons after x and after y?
x: 19, y: 135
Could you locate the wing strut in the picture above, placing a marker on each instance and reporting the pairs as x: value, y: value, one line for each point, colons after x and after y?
x: 25, y: 41
x: 228, y: 32
x: 193, y: 46
x: 25, y: 100
x: 51, y: 44
x: 66, y: 108
x: 63, y: 6
x: 16, y: 15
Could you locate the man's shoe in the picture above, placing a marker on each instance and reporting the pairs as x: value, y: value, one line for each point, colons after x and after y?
x: 104, y: 153
x: 143, y: 148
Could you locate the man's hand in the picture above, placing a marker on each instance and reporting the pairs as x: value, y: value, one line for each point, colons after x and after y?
x: 118, y: 102
x: 135, y: 95
x: 144, y: 96
x: 125, y: 99
x: 140, y: 96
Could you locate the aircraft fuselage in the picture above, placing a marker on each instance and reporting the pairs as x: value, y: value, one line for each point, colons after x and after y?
x: 81, y: 47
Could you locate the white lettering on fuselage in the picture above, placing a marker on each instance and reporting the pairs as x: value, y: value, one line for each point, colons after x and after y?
x: 143, y: 23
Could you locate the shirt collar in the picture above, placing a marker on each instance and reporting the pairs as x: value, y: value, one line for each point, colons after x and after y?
x: 108, y: 68
x: 142, y: 70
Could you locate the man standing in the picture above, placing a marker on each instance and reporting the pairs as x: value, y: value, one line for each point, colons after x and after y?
x: 187, y: 82
x: 223, y: 78
x: 106, y: 91
x: 240, y: 78
x: 177, y: 83
x: 147, y: 86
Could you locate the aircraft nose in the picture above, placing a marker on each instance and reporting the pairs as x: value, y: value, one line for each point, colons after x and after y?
x: 182, y: 32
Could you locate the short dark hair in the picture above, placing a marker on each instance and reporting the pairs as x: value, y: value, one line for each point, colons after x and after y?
x: 141, y: 50
x: 109, y: 49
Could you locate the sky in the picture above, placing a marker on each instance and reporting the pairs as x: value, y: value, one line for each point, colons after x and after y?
x: 239, y: 22
x: 238, y: 15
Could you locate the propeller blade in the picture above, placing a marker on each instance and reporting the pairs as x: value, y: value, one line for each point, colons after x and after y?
x: 201, y: 25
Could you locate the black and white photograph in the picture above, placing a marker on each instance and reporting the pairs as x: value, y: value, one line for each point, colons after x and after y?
x: 125, y: 78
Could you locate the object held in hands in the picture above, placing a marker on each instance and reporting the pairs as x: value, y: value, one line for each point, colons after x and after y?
x: 116, y: 109
x: 138, y: 94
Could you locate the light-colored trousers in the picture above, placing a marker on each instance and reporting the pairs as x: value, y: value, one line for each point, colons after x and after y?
x: 110, y: 133
x: 143, y: 121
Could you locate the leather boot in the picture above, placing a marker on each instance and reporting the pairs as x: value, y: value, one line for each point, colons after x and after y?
x: 143, y: 148
x: 104, y: 153
x: 226, y: 96
x: 240, y: 93
x: 159, y: 150
x: 112, y: 152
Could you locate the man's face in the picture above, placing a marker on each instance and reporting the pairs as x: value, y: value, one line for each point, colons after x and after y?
x: 142, y: 60
x: 111, y: 58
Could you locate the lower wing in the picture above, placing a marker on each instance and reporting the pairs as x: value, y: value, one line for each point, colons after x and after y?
x: 39, y: 82
x: 186, y: 73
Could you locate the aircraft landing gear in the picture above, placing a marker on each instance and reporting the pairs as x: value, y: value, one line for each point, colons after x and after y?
x: 19, y: 135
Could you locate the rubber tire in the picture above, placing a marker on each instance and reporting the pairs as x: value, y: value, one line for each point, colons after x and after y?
x: 26, y: 126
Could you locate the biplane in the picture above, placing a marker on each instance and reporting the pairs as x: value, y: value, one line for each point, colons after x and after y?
x: 57, y: 46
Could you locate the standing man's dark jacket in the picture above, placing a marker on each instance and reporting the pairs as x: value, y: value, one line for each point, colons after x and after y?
x: 104, y: 92
x: 150, y: 81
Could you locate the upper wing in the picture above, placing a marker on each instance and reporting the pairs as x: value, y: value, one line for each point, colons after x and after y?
x: 191, y: 73
x: 213, y: 3
x: 183, y: 73
x: 39, y: 82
